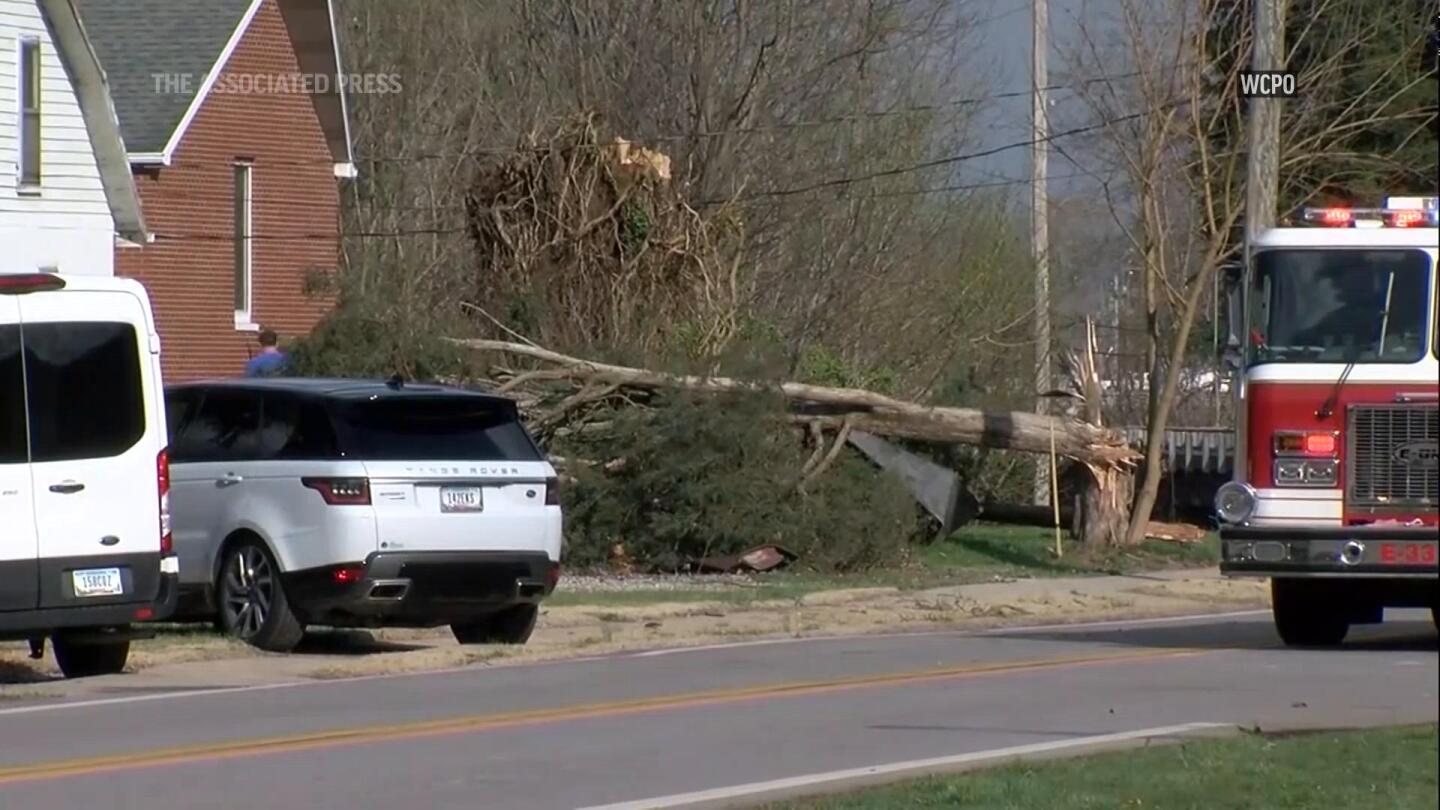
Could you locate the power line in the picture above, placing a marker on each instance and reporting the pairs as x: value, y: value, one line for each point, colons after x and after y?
x: 331, y: 236
x: 409, y: 232
x: 914, y: 192
x: 229, y: 238
x: 953, y: 159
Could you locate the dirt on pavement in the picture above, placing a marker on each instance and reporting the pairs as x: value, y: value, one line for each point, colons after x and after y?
x: 196, y: 656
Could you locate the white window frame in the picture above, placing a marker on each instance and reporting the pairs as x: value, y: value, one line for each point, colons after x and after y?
x: 243, y: 178
x: 23, y: 80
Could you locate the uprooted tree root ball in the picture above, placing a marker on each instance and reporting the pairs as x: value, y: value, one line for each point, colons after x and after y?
x: 582, y: 240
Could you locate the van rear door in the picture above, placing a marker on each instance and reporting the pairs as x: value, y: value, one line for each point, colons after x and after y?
x: 18, y: 573
x: 96, y: 432
x: 452, y: 473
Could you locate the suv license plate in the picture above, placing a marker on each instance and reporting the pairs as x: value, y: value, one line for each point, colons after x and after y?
x: 97, y: 582
x: 462, y: 499
x: 1421, y: 553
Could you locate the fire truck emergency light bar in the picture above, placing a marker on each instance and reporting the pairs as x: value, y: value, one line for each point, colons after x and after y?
x: 1399, y: 212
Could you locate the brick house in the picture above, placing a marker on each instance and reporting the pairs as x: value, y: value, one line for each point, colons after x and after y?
x: 236, y: 129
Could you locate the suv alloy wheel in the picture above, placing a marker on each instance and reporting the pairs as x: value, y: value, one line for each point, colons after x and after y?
x: 252, y: 604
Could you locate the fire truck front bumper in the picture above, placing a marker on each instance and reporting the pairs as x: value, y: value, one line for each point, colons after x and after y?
x: 1361, y: 552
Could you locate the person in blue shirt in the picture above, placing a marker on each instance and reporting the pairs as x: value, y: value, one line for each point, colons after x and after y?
x: 270, y: 360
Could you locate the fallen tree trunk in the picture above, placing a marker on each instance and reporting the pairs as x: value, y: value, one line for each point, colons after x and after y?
x: 1041, y: 517
x: 868, y: 411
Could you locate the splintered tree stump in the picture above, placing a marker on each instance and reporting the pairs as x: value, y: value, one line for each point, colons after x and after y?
x: 1102, y: 505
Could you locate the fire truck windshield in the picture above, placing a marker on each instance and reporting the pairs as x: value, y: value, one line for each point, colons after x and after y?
x: 1331, y: 305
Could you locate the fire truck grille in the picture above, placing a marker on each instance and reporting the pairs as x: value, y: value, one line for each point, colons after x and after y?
x: 1391, y: 458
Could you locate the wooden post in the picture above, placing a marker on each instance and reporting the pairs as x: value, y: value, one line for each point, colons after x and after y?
x: 1039, y: 215
x: 1055, y: 494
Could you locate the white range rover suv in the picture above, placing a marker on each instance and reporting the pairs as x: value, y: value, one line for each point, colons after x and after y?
x: 348, y: 503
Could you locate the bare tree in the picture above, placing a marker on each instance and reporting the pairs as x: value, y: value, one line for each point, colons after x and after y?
x: 1174, y: 97
x: 821, y: 125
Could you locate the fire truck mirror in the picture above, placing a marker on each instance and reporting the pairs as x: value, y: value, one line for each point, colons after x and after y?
x: 1231, y: 347
x: 1232, y: 358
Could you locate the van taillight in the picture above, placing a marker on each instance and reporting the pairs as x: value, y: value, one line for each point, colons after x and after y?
x: 341, y: 491
x: 162, y: 479
x: 552, y: 491
x: 20, y: 283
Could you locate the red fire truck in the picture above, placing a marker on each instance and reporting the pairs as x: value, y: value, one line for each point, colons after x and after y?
x: 1336, y: 493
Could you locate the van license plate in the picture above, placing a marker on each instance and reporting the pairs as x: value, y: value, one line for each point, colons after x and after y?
x: 98, y: 582
x: 462, y: 499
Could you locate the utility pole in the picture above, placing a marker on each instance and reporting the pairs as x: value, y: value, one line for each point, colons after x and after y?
x: 1040, y: 220
x: 1262, y: 170
x: 1262, y: 165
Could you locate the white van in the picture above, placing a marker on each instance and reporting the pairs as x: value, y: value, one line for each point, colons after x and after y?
x: 85, y: 548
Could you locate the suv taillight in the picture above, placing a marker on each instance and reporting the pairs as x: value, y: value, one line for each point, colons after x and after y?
x: 552, y: 491
x: 341, y: 491
x: 162, y: 479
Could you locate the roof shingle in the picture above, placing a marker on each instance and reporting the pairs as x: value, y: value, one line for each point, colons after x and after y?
x: 156, y: 54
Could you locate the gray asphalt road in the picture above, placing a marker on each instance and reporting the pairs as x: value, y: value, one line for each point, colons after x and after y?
x: 627, y: 728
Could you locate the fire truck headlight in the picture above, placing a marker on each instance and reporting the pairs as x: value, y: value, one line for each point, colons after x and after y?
x: 1235, y: 502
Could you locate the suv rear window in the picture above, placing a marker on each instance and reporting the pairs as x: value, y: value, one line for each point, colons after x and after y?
x: 449, y: 429
x: 84, y: 387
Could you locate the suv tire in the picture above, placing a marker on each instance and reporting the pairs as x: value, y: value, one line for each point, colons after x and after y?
x: 251, y: 600
x: 1307, y: 615
x: 81, y: 659
x: 513, y: 625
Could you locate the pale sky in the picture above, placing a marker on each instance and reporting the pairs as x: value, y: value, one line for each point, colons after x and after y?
x: 1003, y: 43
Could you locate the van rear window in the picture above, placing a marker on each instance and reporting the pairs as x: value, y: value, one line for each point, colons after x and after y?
x: 12, y: 399
x: 84, y: 388
x: 449, y: 429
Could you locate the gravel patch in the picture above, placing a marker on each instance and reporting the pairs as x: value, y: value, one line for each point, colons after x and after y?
x: 615, y: 583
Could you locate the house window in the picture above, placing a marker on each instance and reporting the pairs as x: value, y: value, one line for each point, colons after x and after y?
x: 29, y: 112
x: 244, y: 247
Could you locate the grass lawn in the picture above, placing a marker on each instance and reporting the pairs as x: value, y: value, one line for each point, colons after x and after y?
x: 1022, y: 551
x: 976, y: 553
x: 1386, y: 769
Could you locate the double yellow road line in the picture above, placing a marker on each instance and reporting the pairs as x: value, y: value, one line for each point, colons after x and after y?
x: 489, y: 722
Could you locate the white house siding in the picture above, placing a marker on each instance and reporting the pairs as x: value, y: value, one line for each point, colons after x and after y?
x: 68, y: 225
